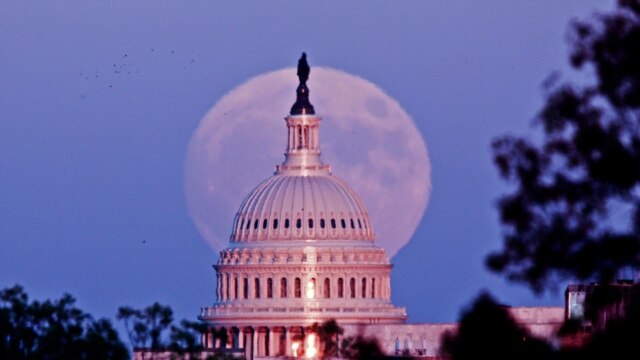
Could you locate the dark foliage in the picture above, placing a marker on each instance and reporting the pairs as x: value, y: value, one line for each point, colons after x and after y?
x: 575, y: 210
x: 53, y: 330
x: 360, y: 347
x: 487, y: 331
x: 328, y: 332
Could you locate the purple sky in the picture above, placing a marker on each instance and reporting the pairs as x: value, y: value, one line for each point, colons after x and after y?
x: 98, y: 101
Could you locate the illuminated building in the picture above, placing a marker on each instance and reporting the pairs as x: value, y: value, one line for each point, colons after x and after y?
x: 302, y: 251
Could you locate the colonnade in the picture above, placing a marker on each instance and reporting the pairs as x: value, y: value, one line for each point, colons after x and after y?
x: 258, y: 342
x: 232, y: 286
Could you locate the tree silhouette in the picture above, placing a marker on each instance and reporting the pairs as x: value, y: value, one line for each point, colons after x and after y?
x: 575, y: 210
x: 53, y: 330
x: 487, y: 331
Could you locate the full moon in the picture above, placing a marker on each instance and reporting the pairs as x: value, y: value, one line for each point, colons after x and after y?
x: 365, y: 136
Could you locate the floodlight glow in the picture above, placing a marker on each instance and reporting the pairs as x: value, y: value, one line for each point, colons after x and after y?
x: 311, y: 289
x: 295, y: 347
x: 310, y: 350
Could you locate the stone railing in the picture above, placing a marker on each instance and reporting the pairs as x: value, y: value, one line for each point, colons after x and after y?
x: 219, y: 311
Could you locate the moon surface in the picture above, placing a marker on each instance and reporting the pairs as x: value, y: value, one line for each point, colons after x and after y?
x: 365, y: 136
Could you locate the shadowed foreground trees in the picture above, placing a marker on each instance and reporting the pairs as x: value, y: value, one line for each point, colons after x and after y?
x: 53, y: 330
x: 574, y: 213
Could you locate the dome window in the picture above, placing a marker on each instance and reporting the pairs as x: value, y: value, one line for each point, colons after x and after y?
x: 352, y: 287
x: 310, y: 223
x: 265, y: 223
x: 286, y: 223
x: 245, y: 288
x: 241, y: 224
x: 275, y: 223
x: 322, y: 224
x: 298, y: 223
x: 248, y: 224
x: 333, y: 223
x: 359, y: 224
x: 256, y: 288
x: 340, y: 288
x: 373, y: 287
x: 344, y: 224
x: 298, y: 288
x: 283, y: 287
x: 353, y: 226
x: 364, y: 288
x: 327, y: 288
x: 270, y: 288
x: 255, y: 224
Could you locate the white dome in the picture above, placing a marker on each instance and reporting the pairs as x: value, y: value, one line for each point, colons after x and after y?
x: 296, y: 207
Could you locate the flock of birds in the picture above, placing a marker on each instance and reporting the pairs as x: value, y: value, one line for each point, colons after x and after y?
x: 128, y: 67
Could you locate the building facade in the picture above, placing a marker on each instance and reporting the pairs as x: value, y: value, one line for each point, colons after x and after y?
x: 302, y: 251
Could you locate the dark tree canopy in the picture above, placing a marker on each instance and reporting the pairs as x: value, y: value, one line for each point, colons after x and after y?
x: 575, y: 210
x: 487, y: 331
x: 53, y: 330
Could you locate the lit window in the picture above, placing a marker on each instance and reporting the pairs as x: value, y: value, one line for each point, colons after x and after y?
x: 311, y: 288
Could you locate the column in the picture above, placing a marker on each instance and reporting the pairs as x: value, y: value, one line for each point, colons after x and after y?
x: 271, y: 351
x: 254, y: 342
x: 287, y: 348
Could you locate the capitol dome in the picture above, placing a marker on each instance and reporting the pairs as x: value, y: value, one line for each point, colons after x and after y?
x: 302, y: 251
x: 294, y: 207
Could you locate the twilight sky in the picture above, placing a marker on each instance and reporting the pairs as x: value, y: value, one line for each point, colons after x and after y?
x: 98, y: 102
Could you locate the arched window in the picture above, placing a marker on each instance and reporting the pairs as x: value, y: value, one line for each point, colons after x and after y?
x: 310, y: 223
x: 286, y: 223
x: 353, y: 226
x: 310, y: 290
x: 344, y: 225
x: 248, y: 224
x: 340, y: 288
x: 235, y: 288
x: 275, y: 223
x: 327, y: 288
x: 265, y: 223
x: 352, y: 287
x: 298, y: 223
x: 373, y: 287
x: 283, y: 287
x: 359, y: 224
x: 255, y: 224
x: 364, y: 288
x: 227, y: 287
x: 270, y: 288
x: 297, y: 288
x: 245, y: 288
x: 241, y: 224
x: 322, y: 224
x: 333, y: 223
x: 256, y: 285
